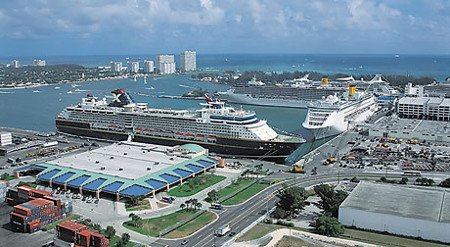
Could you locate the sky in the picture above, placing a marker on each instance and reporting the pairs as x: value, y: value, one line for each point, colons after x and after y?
x: 110, y: 27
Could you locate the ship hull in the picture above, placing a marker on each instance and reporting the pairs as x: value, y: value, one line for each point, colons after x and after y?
x: 225, y: 147
x: 273, y: 102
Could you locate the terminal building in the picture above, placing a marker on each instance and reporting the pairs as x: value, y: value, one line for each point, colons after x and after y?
x: 413, y: 211
x: 125, y: 169
x: 430, y: 108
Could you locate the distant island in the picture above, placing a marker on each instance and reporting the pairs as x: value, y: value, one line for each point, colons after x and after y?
x: 32, y: 76
x: 236, y: 78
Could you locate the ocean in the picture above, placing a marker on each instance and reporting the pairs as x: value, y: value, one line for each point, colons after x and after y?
x: 28, y: 109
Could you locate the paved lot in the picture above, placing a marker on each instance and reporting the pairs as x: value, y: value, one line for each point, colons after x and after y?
x: 9, y: 238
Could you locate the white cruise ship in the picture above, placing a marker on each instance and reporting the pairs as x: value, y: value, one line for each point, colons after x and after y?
x: 334, y: 115
x: 222, y: 129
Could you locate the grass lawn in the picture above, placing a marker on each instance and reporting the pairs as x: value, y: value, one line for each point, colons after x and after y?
x: 143, y: 205
x: 192, y: 226
x: 245, y: 194
x: 238, y: 185
x: 287, y: 241
x: 205, y: 181
x: 30, y: 184
x: 8, y: 177
x: 385, y: 239
x: 260, y: 230
x: 153, y: 226
x: 53, y: 225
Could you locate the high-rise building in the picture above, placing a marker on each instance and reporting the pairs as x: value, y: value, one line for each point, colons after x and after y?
x: 116, y: 67
x: 38, y: 62
x: 149, y: 67
x: 134, y: 67
x: 166, y: 68
x: 15, y: 64
x: 188, y: 61
x: 166, y: 64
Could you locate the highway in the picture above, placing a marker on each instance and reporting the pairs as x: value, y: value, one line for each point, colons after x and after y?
x: 239, y: 217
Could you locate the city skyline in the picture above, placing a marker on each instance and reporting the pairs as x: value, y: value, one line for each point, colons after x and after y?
x: 48, y: 28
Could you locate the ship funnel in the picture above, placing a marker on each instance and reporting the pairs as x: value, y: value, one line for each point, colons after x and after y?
x: 324, y: 81
x: 351, y: 90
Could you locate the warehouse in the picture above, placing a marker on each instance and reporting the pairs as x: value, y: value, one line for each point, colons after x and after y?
x: 125, y: 169
x: 414, y: 211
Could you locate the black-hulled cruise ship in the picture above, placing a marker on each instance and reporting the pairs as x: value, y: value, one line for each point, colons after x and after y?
x: 222, y: 129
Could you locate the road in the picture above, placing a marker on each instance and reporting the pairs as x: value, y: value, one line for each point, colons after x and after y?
x: 239, y: 217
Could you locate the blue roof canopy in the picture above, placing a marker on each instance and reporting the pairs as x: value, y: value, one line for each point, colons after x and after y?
x: 113, y: 187
x: 205, y: 163
x: 156, y: 184
x: 135, y: 190
x: 94, y: 184
x: 47, y: 176
x: 182, y: 173
x: 169, y: 178
x: 194, y: 168
x: 63, y: 178
x: 78, y: 181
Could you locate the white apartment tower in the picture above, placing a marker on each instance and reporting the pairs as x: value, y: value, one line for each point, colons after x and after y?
x: 149, y: 66
x: 116, y: 67
x: 188, y: 61
x: 166, y: 64
x: 15, y: 64
x: 38, y: 62
x: 134, y: 67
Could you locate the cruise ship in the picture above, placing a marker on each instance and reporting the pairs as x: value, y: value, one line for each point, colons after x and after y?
x: 300, y: 92
x: 220, y: 128
x: 297, y: 93
x: 334, y: 115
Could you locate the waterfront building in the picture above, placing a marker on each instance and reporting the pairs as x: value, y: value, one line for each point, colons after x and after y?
x: 166, y: 64
x: 188, y: 60
x: 430, y: 108
x: 116, y: 67
x: 15, y: 64
x: 38, y: 62
x: 166, y: 68
x: 5, y: 139
x: 149, y: 66
x: 134, y: 67
x: 414, y: 211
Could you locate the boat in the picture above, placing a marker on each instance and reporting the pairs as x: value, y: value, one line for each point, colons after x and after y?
x: 57, y: 87
x: 221, y: 129
x: 334, y: 115
x: 297, y: 93
x: 36, y: 91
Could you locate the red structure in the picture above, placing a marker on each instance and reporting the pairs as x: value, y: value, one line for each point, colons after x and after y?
x: 79, y: 234
x: 37, y: 208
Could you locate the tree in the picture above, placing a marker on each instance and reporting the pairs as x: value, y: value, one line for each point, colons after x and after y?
x: 328, y: 226
x: 383, y: 179
x: 110, y: 232
x: 97, y: 227
x: 194, y: 203
x: 187, y: 202
x: 330, y: 200
x: 213, y: 196
x: 199, y: 205
x: 279, y: 213
x: 445, y: 183
x: 125, y: 238
x: 182, y: 206
x: 4, y: 176
x: 292, y: 199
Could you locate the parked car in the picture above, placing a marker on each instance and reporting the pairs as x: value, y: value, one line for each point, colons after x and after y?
x: 184, y: 242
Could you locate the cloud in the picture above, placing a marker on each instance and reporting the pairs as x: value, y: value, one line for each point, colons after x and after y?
x: 290, y: 24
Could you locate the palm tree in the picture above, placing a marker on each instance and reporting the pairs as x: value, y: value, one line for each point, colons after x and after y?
x: 194, y: 203
x: 182, y: 206
x: 198, y: 205
x: 188, y: 202
x: 131, y: 215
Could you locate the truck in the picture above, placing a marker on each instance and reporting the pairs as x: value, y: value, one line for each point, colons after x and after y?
x: 223, y: 230
x: 298, y: 169
x: 217, y: 206
x: 329, y: 161
x: 168, y: 199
